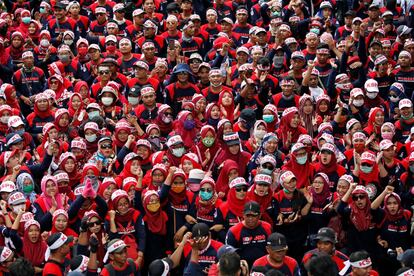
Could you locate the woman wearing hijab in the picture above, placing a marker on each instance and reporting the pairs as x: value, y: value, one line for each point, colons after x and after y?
x: 223, y: 127
x: 230, y: 212
x: 328, y: 164
x: 269, y: 146
x: 256, y: 138
x: 395, y: 226
x: 58, y: 85
x: 227, y: 106
x: 40, y: 116
x: 213, y: 115
x: 262, y: 193
x: 165, y: 119
x: 131, y: 168
x: 67, y: 163
x: 60, y: 223
x: 233, y: 151
x: 11, y: 97
x: 323, y: 111
x: 82, y: 88
x: 155, y: 219
x: 208, y: 148
x: 288, y: 207
x: 92, y: 223
x: 375, y: 121
x: 318, y: 215
x: 124, y: 222
x: 366, y: 169
x: 228, y: 172
x: 49, y: 201
x: 16, y: 47
x: 307, y: 114
x: 34, y: 247
x: 362, y: 220
x: 270, y: 116
x: 300, y: 166
x: 200, y: 105
x: 76, y: 109
x: 5, y: 113
x: 25, y: 185
x: 122, y: 130
x: 290, y: 128
x: 185, y: 127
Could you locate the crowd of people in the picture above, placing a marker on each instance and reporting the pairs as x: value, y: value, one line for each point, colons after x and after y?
x: 195, y: 137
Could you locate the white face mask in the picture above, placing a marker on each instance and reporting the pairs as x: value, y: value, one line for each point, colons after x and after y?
x: 44, y: 43
x: 358, y: 103
x: 68, y: 42
x: 90, y: 138
x: 5, y: 119
x: 18, y: 208
x: 133, y: 100
x: 166, y: 119
x: 107, y: 101
x: 260, y: 133
x: 372, y: 95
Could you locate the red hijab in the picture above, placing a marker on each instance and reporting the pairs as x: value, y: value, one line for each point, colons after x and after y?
x: 58, y: 115
x: 371, y: 127
x: 67, y: 231
x: 320, y: 199
x: 8, y: 91
x: 71, y: 110
x: 156, y: 221
x: 42, y: 114
x: 236, y: 205
x: 229, y: 109
x: 177, y: 198
x: 33, y: 251
x: 200, y: 150
x: 400, y: 212
x: 74, y: 176
x: 304, y: 173
x: 361, y: 218
x: 285, y: 127
x: 264, y: 201
x: 205, y: 207
x: 242, y: 158
x: 188, y: 136
x: 222, y: 184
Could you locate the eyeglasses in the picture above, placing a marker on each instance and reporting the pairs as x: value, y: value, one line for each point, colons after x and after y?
x: 94, y: 223
x: 168, y: 114
x: 270, y: 167
x: 241, y: 189
x: 106, y: 72
x: 205, y: 190
x: 54, y: 82
x: 358, y: 197
x: 107, y: 146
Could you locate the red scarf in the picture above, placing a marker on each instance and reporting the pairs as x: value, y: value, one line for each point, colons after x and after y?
x: 264, y: 201
x: 188, y: 136
x: 205, y: 207
x: 400, y: 213
x: 71, y: 110
x: 42, y: 114
x: 361, y: 218
x: 236, y: 205
x: 319, y: 200
x: 34, y: 252
x: 285, y: 127
x: 304, y: 173
x: 229, y: 109
x: 156, y: 222
x: 372, y: 128
x: 222, y: 184
x: 330, y: 168
x: 242, y: 158
x: 74, y: 176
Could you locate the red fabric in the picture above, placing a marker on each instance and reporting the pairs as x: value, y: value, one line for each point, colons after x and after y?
x: 285, y: 127
x: 361, y: 218
x: 371, y: 128
x: 188, y: 136
x: 70, y: 106
x: 264, y: 201
x: 236, y: 205
x: 400, y: 212
x: 330, y: 168
x: 156, y: 222
x: 42, y: 114
x: 229, y: 109
x: 320, y: 199
x: 74, y: 176
x: 177, y: 198
x: 34, y: 252
x: 304, y: 173
x: 242, y: 158
x: 222, y: 184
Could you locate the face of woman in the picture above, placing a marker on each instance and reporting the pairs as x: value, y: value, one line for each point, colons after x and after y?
x: 356, y: 127
x: 143, y: 152
x: 233, y: 174
x: 326, y: 157
x: 295, y: 121
x: 122, y: 135
x: 157, y: 178
x: 227, y: 128
x: 61, y: 223
x: 108, y: 191
x: 342, y: 187
x: 308, y: 107
x: 234, y: 149
x: 261, y: 189
x: 70, y: 165
x: 392, y: 205
x: 201, y: 105
x: 123, y: 206
x: 323, y: 106
x: 51, y: 188
x: 53, y: 134
x: 76, y: 102
x: 94, y: 225
x: 215, y: 112
x: 291, y: 185
x: 43, y: 105
x: 32, y: 28
x: 34, y: 233
x: 317, y: 184
x: 360, y: 200
x: 241, y: 192
x: 227, y: 99
x: 271, y: 146
x: 12, y: 162
x: 379, y: 118
x: 187, y: 166
x: 135, y: 166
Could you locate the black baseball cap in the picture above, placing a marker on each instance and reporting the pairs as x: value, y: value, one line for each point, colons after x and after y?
x: 326, y: 234
x: 277, y: 241
x: 251, y: 207
x: 200, y: 230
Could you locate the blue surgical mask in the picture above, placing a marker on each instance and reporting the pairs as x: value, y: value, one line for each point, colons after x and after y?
x: 268, y: 118
x: 266, y: 171
x: 205, y: 196
x: 407, y: 117
x: 302, y: 160
x: 178, y: 152
x: 26, y: 20
x: 42, y: 10
x: 315, y: 31
x: 366, y: 169
x: 93, y: 114
x: 20, y: 132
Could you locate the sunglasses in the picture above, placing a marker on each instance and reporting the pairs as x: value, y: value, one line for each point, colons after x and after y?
x: 106, y: 72
x: 54, y: 82
x: 270, y: 167
x: 168, y: 114
x: 241, y: 189
x: 108, y: 146
x: 205, y: 190
x: 94, y: 223
x: 358, y: 197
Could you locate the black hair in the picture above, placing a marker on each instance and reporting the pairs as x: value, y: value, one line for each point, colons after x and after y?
x: 264, y: 61
x: 229, y: 264
x: 358, y: 255
x: 322, y: 265
x: 21, y: 267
